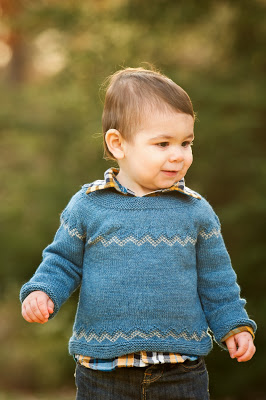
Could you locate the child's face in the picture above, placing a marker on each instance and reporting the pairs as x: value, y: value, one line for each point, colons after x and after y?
x: 160, y: 153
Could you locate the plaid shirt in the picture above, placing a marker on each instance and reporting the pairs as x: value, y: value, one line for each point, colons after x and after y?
x: 110, y: 181
x: 142, y: 358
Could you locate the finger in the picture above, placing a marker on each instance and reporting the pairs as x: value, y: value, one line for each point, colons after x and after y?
x: 231, y: 345
x: 248, y: 354
x: 42, y: 304
x: 31, y: 312
x: 50, y: 306
x: 243, y: 341
x: 29, y: 317
x: 34, y: 305
x: 32, y: 316
x: 25, y: 315
x: 243, y: 346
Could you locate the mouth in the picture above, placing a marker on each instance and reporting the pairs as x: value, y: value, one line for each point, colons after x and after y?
x: 170, y: 173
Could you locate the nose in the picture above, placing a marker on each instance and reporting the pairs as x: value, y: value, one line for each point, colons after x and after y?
x: 176, y: 155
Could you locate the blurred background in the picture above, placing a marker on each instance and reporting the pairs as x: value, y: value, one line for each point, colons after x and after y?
x: 54, y: 56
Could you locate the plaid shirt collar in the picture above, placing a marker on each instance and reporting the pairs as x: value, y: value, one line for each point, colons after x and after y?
x: 110, y: 181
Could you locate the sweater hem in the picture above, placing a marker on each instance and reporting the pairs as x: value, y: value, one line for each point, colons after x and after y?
x: 120, y: 349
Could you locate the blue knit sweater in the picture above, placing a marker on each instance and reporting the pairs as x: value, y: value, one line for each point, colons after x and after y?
x: 154, y: 274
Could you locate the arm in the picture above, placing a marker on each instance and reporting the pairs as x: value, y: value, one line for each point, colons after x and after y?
x: 60, y: 272
x: 217, y: 286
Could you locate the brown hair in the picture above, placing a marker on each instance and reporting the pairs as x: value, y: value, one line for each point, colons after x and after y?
x: 131, y: 92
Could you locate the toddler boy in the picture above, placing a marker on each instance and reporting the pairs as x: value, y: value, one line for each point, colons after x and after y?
x: 147, y: 252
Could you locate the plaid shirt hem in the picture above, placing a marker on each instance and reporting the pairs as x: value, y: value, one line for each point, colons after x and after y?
x: 141, y: 359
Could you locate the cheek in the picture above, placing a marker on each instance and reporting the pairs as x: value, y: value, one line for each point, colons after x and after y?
x: 149, y: 157
x: 189, y: 160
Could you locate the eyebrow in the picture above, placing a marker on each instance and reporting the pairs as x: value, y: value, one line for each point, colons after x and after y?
x: 190, y: 136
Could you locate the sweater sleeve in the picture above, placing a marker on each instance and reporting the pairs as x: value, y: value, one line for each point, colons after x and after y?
x: 217, y: 282
x: 60, y: 271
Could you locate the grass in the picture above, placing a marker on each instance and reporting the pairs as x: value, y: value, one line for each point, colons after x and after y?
x: 40, y: 396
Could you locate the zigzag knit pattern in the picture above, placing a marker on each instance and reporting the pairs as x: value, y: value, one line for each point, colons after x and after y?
x: 153, y: 242
x: 153, y: 272
x: 137, y: 333
x: 72, y: 232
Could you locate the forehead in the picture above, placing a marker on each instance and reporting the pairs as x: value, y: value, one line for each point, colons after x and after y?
x: 167, y: 124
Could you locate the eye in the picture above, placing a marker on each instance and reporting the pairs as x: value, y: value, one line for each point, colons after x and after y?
x: 163, y: 144
x: 187, y: 143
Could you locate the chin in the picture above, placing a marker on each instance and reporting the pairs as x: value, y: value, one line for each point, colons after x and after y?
x: 166, y: 186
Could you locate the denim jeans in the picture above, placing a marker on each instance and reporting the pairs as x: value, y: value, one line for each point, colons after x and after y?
x: 186, y: 381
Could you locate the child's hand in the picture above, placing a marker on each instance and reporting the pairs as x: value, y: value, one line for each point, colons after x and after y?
x: 37, y: 307
x: 241, y: 346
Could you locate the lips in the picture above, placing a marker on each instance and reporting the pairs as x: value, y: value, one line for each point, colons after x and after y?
x: 170, y: 173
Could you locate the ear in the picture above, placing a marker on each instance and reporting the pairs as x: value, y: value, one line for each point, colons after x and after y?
x: 114, y: 142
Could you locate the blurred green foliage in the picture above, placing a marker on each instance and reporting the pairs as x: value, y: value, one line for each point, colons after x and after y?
x: 50, y: 118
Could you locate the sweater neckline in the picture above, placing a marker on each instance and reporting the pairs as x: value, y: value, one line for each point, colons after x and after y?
x: 111, y: 199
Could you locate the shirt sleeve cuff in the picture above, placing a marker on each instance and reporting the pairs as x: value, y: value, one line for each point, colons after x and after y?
x: 238, y: 330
